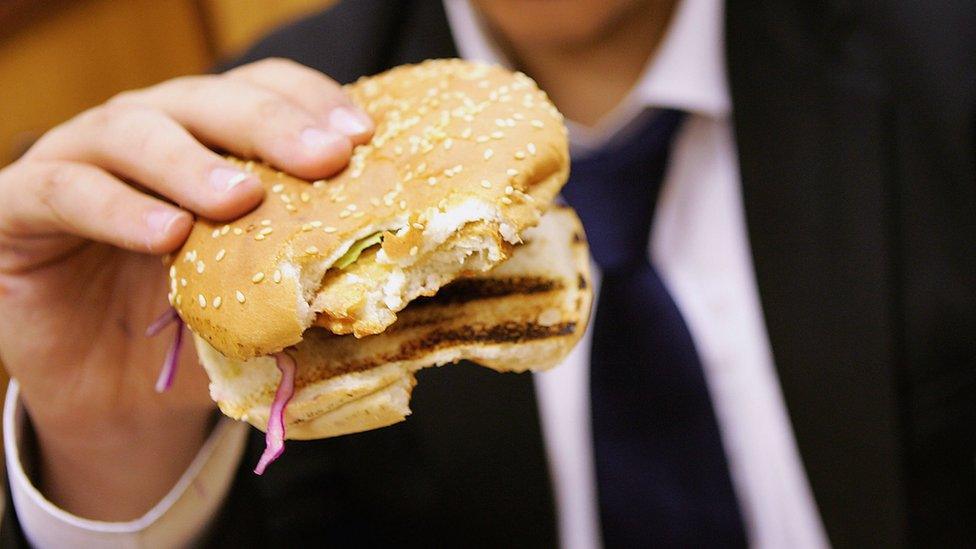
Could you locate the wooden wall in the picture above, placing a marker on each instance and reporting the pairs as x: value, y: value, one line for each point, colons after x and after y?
x: 59, y: 57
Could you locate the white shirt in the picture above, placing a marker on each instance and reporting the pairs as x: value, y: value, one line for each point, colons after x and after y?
x: 699, y: 245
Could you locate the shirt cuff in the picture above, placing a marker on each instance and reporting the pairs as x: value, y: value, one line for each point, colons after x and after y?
x: 180, y: 519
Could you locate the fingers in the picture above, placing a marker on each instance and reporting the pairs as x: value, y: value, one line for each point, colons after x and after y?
x: 250, y: 121
x: 311, y: 90
x: 46, y: 198
x: 143, y: 145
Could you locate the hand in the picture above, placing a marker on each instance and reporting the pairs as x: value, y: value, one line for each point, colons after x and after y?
x: 83, y: 213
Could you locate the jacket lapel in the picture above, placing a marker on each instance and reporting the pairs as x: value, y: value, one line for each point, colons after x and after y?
x: 811, y: 130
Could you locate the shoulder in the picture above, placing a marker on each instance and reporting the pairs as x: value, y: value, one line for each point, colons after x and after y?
x: 344, y: 41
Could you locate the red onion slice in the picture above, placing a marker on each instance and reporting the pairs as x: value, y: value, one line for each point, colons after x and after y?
x: 168, y: 373
x: 163, y: 321
x: 274, y: 437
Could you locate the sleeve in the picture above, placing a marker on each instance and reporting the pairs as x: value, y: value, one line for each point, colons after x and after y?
x: 182, y: 518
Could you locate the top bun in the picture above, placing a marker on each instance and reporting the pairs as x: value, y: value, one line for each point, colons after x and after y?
x: 456, y: 143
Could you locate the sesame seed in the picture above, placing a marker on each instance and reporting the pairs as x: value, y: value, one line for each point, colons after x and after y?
x: 179, y: 300
x: 172, y: 271
x: 202, y: 301
x: 183, y: 282
x: 259, y: 237
x: 285, y: 198
x: 489, y: 153
x: 305, y: 197
x: 374, y: 201
x: 220, y: 254
x: 316, y: 224
x: 536, y: 123
x: 352, y: 207
x: 215, y: 233
x: 506, y: 200
x: 329, y: 229
x: 413, y: 250
x: 240, y: 297
x: 485, y: 183
x: 481, y: 139
x: 291, y: 208
x: 442, y: 204
x: 357, y: 215
x: 497, y: 134
x: 311, y: 250
x: 266, y: 231
x: 217, y: 301
x: 344, y: 214
x: 403, y: 204
x: 277, y: 277
x: 265, y: 222
x: 257, y: 278
x: 306, y: 227
x: 278, y: 187
x: 512, y: 172
x: 238, y: 231
x: 422, y: 167
x: 200, y: 267
x: 431, y: 181
x: 499, y: 122
x: 458, y: 168
x: 318, y: 184
x: 466, y: 133
x: 520, y: 155
x: 509, y: 189
x: 531, y: 148
x: 418, y: 226
x: 225, y: 229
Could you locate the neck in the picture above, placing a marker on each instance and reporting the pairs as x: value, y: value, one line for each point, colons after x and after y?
x: 586, y: 81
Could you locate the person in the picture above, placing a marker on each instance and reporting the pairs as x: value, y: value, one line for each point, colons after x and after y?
x: 788, y: 361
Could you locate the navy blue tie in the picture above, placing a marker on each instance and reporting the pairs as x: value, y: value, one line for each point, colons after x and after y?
x: 662, y: 476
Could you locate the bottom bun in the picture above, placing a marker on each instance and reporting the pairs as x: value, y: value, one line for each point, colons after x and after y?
x: 526, y: 314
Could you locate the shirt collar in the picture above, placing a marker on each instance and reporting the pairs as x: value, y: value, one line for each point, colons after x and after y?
x: 687, y: 72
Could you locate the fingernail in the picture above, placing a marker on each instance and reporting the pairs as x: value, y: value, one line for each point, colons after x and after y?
x: 159, y: 221
x: 225, y: 179
x: 349, y: 121
x: 318, y: 141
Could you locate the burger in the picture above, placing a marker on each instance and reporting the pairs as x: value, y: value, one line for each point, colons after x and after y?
x: 439, y: 242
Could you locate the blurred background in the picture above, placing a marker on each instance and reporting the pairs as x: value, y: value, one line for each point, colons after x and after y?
x: 60, y: 57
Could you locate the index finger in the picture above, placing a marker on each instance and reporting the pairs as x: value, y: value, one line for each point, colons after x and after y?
x: 311, y: 90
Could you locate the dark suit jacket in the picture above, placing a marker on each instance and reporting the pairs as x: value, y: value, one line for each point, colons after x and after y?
x: 855, y: 128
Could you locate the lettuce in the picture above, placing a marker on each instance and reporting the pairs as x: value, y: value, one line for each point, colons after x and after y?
x: 357, y: 249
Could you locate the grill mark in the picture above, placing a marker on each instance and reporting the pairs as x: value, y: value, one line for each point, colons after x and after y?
x: 465, y: 290
x: 507, y: 332
x: 406, y: 322
x: 581, y: 281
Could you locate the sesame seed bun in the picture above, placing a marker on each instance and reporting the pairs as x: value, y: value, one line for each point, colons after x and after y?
x: 465, y: 157
x: 526, y: 314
